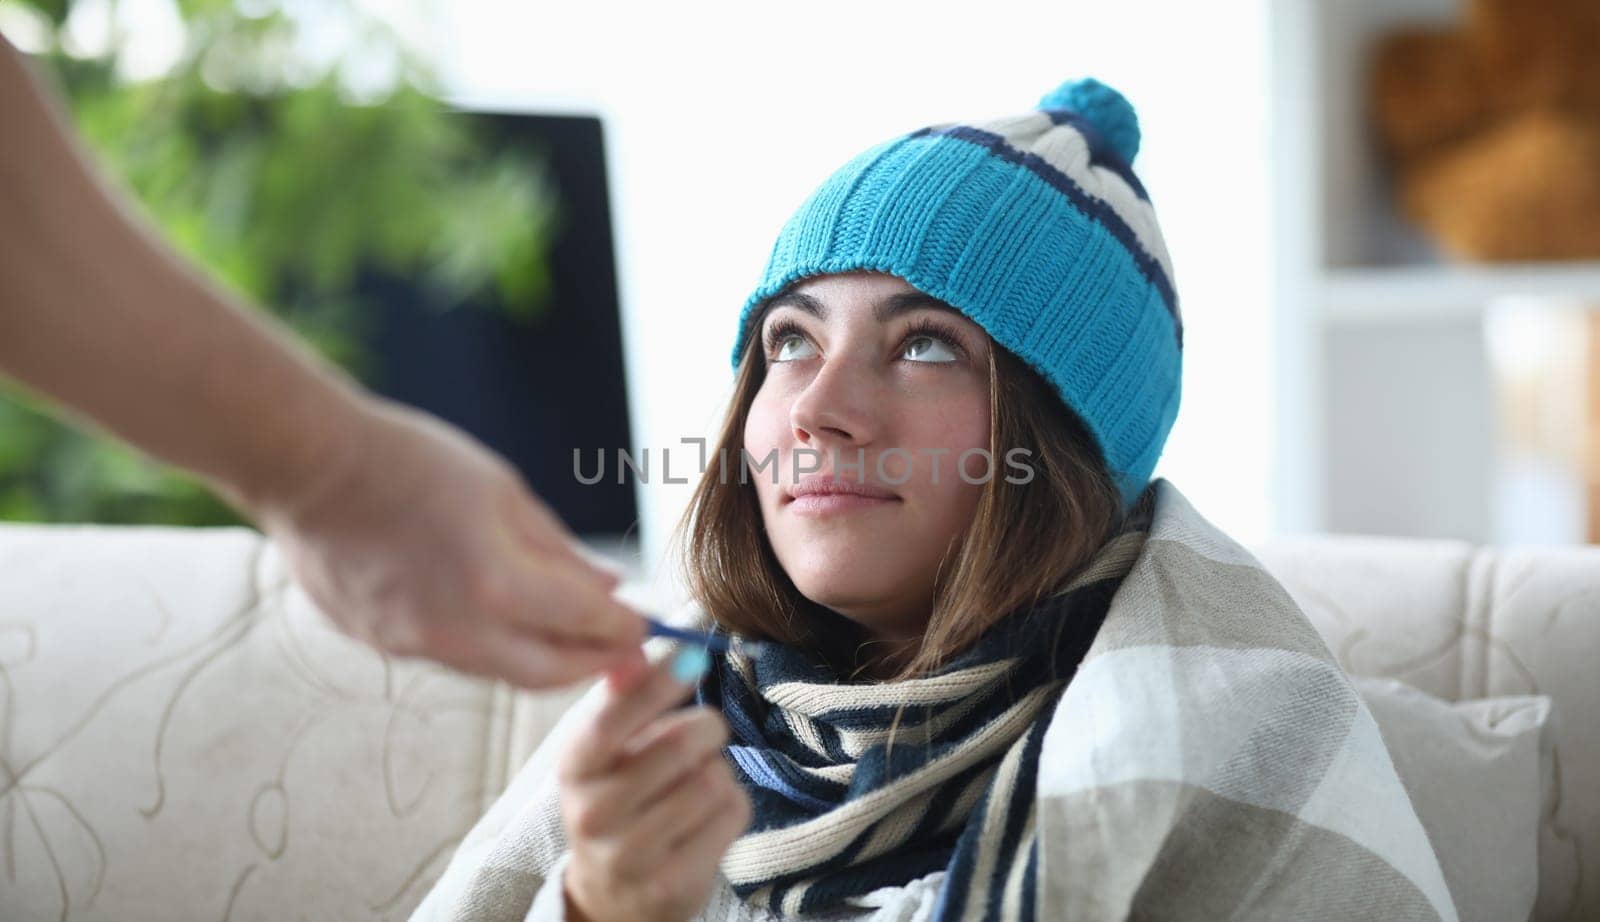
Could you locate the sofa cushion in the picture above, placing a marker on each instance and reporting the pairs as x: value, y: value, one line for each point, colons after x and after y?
x: 1478, y: 773
x: 192, y: 738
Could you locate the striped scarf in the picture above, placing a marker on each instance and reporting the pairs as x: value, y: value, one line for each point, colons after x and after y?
x: 838, y: 814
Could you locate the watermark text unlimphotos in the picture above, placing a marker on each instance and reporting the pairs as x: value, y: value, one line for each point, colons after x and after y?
x: 806, y: 461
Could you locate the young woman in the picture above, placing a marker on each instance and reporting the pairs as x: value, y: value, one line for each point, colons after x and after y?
x: 1005, y: 674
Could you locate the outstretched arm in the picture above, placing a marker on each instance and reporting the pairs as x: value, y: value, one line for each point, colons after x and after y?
x: 408, y: 533
x: 98, y: 314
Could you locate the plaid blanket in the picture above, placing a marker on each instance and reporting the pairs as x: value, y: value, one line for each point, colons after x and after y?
x: 1208, y: 760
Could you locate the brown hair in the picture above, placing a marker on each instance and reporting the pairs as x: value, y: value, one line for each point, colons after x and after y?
x: 1026, y: 540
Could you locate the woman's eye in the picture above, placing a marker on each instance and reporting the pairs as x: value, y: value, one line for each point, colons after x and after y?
x: 782, y: 354
x: 919, y: 344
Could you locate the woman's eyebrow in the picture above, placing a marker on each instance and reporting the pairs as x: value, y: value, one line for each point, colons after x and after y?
x: 885, y: 309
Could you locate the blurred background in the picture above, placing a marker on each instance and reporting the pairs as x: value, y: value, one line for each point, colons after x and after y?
x: 539, y: 221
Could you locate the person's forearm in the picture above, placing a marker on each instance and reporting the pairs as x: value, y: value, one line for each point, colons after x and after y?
x: 99, y: 315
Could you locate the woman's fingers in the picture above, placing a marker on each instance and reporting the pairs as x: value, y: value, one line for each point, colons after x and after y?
x: 704, y: 845
x: 631, y: 702
x: 676, y: 746
x: 636, y: 784
x: 677, y: 814
x: 671, y: 748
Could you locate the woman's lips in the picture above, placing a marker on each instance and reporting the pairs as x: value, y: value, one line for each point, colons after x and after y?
x: 831, y: 503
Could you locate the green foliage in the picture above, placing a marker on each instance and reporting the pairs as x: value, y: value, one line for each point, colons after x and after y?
x: 255, y: 163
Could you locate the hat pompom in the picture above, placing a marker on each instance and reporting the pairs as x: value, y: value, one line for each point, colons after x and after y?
x: 1105, y: 108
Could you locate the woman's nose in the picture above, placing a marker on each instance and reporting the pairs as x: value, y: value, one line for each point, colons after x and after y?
x: 838, y: 403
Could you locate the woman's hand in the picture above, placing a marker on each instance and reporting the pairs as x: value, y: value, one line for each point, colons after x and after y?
x: 422, y: 542
x: 648, y: 802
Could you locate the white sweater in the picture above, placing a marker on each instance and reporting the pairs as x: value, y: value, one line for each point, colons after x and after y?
x: 913, y: 902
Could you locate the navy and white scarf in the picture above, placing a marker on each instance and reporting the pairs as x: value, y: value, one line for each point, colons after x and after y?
x: 839, y: 814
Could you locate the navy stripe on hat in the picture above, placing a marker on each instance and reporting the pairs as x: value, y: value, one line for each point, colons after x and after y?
x: 1096, y: 208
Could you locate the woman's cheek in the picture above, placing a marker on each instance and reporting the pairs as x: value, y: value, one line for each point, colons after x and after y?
x: 761, y: 434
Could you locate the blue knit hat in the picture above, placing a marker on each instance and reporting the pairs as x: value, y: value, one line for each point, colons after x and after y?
x: 1035, y: 227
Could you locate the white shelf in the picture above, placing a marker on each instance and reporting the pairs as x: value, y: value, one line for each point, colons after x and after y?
x: 1408, y: 293
x: 1389, y: 357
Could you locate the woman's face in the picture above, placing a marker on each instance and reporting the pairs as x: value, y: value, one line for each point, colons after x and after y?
x: 850, y: 378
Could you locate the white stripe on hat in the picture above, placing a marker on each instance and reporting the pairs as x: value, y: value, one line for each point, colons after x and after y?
x: 1064, y: 148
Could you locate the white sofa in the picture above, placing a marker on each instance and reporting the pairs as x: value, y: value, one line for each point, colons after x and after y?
x: 183, y: 735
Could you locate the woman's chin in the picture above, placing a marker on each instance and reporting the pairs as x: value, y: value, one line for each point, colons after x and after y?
x: 842, y: 596
x: 863, y: 595
x: 845, y: 593
x: 848, y: 576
